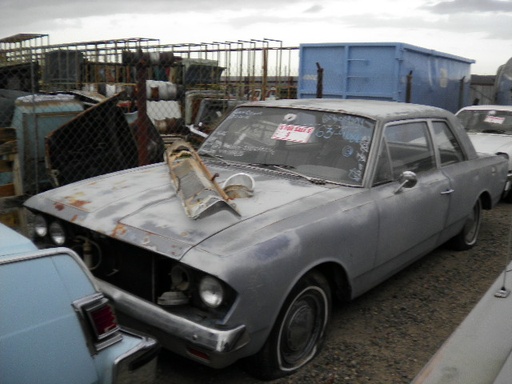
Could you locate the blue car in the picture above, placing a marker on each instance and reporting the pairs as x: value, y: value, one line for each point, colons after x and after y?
x: 57, y: 327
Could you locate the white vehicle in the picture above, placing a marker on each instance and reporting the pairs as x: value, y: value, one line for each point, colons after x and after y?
x: 490, y: 129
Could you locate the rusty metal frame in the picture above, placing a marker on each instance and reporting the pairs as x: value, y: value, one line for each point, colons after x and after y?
x: 194, y: 184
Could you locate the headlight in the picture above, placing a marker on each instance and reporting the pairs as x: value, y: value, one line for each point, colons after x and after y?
x: 211, y: 291
x: 57, y: 233
x: 40, y: 226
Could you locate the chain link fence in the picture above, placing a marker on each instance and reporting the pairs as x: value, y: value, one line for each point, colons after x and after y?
x: 73, y: 111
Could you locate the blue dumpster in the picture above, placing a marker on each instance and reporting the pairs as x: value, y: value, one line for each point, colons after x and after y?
x: 384, y: 71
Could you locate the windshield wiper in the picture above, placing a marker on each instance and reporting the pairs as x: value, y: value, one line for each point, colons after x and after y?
x: 313, y: 180
x: 289, y: 169
x: 284, y: 167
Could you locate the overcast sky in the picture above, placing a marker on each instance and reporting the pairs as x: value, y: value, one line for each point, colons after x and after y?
x: 474, y: 29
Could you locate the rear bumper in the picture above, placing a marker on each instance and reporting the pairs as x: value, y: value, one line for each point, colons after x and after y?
x: 214, y: 346
x: 138, y: 365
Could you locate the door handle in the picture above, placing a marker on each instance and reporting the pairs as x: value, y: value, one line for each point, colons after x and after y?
x: 448, y: 192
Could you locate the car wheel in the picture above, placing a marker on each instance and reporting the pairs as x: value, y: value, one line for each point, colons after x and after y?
x: 468, y: 236
x: 298, y: 333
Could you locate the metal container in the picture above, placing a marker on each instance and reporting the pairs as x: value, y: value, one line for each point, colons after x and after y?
x: 35, y: 117
x: 384, y: 71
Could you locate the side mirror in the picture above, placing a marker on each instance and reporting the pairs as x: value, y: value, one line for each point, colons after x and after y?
x: 407, y: 179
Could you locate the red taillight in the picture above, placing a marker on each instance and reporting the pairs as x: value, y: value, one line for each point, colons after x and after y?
x: 98, y: 320
x: 102, y: 319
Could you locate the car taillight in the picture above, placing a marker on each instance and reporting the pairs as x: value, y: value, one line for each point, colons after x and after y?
x: 102, y: 318
x: 98, y: 320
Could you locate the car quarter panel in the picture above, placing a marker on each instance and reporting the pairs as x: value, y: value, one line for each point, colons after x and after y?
x: 44, y: 333
x: 469, y: 181
x: 39, y: 324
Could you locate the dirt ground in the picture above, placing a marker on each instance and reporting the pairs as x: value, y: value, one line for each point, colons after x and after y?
x: 390, y: 333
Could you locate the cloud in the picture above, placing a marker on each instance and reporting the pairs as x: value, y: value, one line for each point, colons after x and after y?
x: 50, y: 9
x: 470, y: 6
x: 41, y: 16
x: 314, y: 9
x: 469, y: 26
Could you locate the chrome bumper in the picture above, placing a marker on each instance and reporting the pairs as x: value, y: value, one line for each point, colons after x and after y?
x: 177, y: 333
x: 139, y: 365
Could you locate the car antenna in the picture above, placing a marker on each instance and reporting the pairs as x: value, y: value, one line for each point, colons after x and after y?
x: 503, y: 292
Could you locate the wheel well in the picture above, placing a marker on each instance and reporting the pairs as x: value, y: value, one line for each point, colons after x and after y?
x: 337, y: 278
x: 486, y: 200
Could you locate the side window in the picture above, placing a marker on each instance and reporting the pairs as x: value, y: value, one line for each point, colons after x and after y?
x: 406, y: 147
x: 449, y: 149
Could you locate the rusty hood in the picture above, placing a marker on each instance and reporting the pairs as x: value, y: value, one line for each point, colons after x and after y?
x: 141, y: 207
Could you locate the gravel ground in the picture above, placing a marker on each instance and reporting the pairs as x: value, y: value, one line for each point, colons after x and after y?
x: 387, y: 335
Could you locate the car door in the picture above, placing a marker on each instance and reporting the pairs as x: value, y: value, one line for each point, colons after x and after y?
x: 463, y: 175
x: 410, y: 218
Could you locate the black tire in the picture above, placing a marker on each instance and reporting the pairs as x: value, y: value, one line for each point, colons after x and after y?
x: 299, y: 331
x: 468, y: 236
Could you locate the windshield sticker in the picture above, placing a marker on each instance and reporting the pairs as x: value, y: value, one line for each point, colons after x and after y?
x: 295, y: 133
x: 494, y: 119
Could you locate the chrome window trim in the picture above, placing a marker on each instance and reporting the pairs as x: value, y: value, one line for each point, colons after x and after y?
x: 48, y: 252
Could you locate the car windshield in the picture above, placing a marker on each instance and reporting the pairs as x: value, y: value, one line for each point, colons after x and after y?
x: 318, y: 144
x: 487, y: 121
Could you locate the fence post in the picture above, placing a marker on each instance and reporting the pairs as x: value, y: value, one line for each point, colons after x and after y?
x: 142, y: 122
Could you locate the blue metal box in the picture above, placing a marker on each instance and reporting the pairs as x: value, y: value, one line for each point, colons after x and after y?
x: 36, y: 116
x: 384, y: 71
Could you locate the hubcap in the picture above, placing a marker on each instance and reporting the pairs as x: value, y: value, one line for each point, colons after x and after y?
x: 302, y: 328
x: 299, y: 328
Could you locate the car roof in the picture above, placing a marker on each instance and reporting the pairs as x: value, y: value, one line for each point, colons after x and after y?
x: 12, y: 242
x: 486, y: 107
x: 374, y: 109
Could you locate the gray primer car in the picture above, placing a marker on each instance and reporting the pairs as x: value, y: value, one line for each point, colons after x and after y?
x: 57, y: 327
x: 239, y: 250
x: 490, y: 129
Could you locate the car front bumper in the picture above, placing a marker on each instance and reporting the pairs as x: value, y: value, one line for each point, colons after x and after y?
x: 215, y: 346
